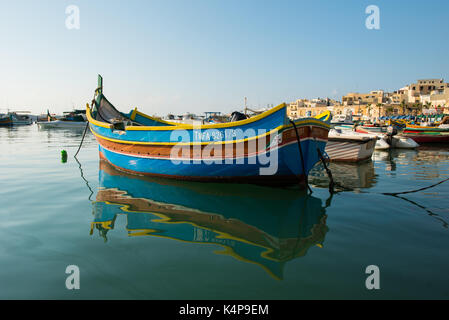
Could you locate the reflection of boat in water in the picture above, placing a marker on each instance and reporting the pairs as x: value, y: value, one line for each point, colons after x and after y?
x: 350, y: 175
x: 264, y: 226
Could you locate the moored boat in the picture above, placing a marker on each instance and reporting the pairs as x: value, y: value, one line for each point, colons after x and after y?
x: 349, y: 146
x: 61, y: 124
x: 342, y: 120
x: 265, y: 149
x: 5, y: 120
x: 373, y: 128
x: 427, y: 134
x: 72, y: 119
x: 390, y: 140
x: 21, y: 118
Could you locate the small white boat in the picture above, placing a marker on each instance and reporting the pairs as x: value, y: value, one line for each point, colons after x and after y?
x: 390, y: 140
x: 349, y: 146
x: 71, y: 119
x: 344, y: 120
x: 61, y: 124
x: 400, y: 142
x: 381, y: 144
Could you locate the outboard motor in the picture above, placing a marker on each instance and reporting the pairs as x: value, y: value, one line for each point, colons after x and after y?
x: 237, y: 116
x: 391, y: 131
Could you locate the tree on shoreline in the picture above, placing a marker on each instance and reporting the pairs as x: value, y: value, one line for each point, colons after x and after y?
x: 379, y: 105
x: 403, y: 106
x: 418, y: 108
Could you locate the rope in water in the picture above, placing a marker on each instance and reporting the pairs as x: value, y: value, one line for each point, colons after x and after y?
x: 333, y: 183
x: 413, y: 191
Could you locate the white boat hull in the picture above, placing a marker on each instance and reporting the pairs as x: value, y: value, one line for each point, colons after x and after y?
x: 61, y: 124
x: 404, y: 143
x: 22, y: 122
x: 397, y: 142
x: 349, y: 147
x: 381, y: 144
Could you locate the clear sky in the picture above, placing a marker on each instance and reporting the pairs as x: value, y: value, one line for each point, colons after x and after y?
x: 207, y: 55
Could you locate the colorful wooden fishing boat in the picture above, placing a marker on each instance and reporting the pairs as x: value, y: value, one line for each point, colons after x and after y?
x: 287, y: 224
x: 263, y: 149
x: 5, y: 120
x: 372, y: 128
x: 426, y: 134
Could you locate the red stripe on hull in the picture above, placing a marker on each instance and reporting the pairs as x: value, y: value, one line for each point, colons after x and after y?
x: 428, y: 138
x: 232, y: 150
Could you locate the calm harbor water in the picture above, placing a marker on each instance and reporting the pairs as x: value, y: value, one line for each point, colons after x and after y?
x: 136, y: 238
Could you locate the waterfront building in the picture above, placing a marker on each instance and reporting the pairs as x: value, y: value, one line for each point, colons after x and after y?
x: 424, y: 96
x: 310, y: 108
x: 373, y: 97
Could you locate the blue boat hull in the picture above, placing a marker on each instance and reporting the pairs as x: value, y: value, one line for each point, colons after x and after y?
x: 286, y: 166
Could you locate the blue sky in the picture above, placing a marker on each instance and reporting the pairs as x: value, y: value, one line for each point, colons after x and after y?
x: 207, y: 55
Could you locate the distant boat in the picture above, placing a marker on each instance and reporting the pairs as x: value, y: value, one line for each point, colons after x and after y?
x: 5, y: 120
x: 70, y: 119
x: 349, y: 146
x: 427, y: 134
x: 342, y: 120
x: 21, y: 118
x: 140, y: 144
x: 373, y: 128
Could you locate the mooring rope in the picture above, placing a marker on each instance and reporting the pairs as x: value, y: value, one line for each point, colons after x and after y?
x: 84, y: 134
x: 430, y: 213
x: 329, y: 173
x: 298, y: 139
x: 413, y: 191
x: 333, y: 183
x: 79, y: 163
